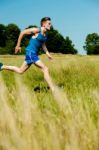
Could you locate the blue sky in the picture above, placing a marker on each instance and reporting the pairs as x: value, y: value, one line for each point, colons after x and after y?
x: 73, y: 18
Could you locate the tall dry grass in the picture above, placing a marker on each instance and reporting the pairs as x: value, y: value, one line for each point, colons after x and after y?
x: 67, y: 119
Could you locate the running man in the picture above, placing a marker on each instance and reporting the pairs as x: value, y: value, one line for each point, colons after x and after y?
x: 38, y: 39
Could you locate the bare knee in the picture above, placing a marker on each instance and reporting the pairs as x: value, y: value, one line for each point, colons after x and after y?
x: 45, y: 69
x: 20, y: 71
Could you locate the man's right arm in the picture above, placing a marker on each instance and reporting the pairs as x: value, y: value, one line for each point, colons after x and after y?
x: 25, y: 32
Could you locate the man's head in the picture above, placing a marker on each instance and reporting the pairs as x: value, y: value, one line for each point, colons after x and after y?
x: 46, y: 23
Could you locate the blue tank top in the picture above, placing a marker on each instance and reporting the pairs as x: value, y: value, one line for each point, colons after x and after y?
x: 36, y: 43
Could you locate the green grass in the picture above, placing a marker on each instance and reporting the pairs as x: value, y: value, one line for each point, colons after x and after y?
x: 68, y: 119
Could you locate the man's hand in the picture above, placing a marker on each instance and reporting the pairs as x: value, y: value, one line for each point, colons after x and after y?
x: 17, y: 49
x: 50, y: 57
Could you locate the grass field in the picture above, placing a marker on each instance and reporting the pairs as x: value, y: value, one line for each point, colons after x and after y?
x: 32, y: 118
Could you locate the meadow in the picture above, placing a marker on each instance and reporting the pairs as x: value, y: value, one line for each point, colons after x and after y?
x: 34, y: 118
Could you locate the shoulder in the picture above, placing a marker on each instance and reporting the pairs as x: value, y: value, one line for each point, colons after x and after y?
x: 35, y: 30
x: 32, y: 30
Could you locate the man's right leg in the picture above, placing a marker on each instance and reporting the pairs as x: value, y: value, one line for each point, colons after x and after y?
x: 47, y: 77
x: 19, y: 70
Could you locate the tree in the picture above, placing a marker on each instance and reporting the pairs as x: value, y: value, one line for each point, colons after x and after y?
x: 56, y: 43
x: 92, y: 44
x: 2, y: 35
x: 69, y: 47
x: 12, y: 33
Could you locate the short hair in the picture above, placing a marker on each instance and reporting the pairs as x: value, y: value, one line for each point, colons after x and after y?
x: 45, y: 19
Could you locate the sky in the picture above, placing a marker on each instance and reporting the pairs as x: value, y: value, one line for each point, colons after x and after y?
x: 73, y: 18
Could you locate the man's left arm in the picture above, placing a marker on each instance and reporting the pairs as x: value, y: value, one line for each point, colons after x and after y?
x: 46, y: 51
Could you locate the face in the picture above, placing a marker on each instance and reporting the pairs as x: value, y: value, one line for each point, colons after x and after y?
x: 47, y: 24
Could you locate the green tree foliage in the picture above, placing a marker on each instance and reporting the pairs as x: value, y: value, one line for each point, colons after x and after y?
x: 58, y: 44
x: 69, y: 47
x: 12, y: 33
x: 92, y: 44
x: 2, y: 35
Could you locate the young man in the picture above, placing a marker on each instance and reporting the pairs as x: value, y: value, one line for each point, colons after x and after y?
x: 37, y: 40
